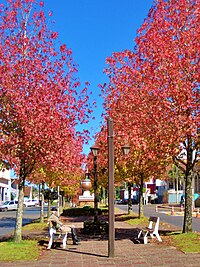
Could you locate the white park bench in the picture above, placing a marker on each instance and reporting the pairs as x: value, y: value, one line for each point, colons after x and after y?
x: 151, y: 230
x: 54, y: 233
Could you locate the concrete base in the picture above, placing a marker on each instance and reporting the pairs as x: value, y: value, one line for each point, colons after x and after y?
x: 86, y: 200
x: 83, y: 203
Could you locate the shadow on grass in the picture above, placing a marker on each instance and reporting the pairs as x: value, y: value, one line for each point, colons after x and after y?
x: 124, y: 217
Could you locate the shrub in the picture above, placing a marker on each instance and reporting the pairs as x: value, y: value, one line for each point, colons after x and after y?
x: 85, y: 211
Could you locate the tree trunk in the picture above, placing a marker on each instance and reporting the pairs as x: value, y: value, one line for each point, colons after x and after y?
x: 49, y: 208
x: 141, y: 210
x: 42, y: 205
x: 187, y: 225
x: 20, y: 208
x: 129, y: 198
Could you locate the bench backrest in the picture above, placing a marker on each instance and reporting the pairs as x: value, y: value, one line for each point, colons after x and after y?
x: 154, y: 223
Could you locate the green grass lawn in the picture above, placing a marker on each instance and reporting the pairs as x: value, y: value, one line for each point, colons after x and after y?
x: 26, y: 250
x: 36, y: 225
x: 187, y: 242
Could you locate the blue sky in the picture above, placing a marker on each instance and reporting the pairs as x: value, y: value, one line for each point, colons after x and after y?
x: 94, y: 29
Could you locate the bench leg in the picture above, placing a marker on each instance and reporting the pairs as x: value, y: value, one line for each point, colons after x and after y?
x: 65, y: 241
x: 51, y: 234
x: 145, y: 234
x: 158, y: 237
x: 139, y: 234
x: 145, y: 238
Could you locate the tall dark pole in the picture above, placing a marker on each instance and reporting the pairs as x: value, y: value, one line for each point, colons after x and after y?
x: 42, y: 204
x: 95, y: 190
x: 111, y: 189
x: 129, y: 198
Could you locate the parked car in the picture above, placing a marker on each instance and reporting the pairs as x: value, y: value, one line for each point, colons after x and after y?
x: 197, y: 202
x: 125, y: 201
x: 196, y: 198
x: 9, y: 205
x: 134, y: 201
x: 118, y: 201
x: 31, y: 203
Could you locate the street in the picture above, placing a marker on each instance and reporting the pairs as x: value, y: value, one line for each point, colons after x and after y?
x: 149, y: 210
x: 7, y: 219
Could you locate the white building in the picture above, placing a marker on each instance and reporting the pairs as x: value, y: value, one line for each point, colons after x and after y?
x: 5, y: 186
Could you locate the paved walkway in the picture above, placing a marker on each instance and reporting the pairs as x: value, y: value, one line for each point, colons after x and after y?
x: 93, y: 252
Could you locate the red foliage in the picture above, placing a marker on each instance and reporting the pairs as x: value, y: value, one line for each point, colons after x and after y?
x: 41, y: 102
x: 153, y: 94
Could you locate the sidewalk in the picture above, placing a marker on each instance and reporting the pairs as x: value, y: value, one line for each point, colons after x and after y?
x: 93, y: 252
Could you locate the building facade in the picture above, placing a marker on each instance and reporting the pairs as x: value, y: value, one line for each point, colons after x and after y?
x: 5, y: 186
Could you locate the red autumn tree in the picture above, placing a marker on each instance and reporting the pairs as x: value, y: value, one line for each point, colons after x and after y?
x: 41, y: 103
x: 65, y: 177
x: 127, y: 105
x: 144, y: 159
x: 168, y: 53
x: 154, y: 92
